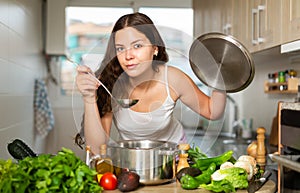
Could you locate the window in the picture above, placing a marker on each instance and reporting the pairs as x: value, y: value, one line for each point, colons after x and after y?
x: 88, y: 29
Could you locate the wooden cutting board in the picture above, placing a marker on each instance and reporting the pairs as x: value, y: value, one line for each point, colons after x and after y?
x: 269, y: 187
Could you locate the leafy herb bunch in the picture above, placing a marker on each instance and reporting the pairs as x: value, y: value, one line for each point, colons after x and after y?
x: 63, y: 172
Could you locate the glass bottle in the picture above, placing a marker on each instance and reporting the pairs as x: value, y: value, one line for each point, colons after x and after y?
x: 88, y: 155
x: 104, y: 163
x: 183, y: 156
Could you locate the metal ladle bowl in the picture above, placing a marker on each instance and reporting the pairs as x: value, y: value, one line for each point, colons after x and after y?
x: 125, y: 103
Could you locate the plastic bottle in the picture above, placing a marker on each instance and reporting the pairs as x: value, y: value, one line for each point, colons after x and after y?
x: 183, y: 155
x: 104, y: 163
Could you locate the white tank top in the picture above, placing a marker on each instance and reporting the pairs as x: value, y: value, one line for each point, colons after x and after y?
x: 159, y: 124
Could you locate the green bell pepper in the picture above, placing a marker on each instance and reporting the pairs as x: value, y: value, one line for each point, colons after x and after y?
x: 205, y: 177
x: 188, y: 182
x: 204, y: 163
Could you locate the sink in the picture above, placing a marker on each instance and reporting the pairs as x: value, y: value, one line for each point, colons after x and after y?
x: 238, y: 146
x: 237, y: 141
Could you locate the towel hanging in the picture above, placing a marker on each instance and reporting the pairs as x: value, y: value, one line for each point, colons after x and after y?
x: 43, y: 114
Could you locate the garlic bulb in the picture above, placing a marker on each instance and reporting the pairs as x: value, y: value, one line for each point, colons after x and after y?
x: 249, y: 159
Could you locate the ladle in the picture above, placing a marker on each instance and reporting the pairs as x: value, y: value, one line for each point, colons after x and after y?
x: 125, y: 103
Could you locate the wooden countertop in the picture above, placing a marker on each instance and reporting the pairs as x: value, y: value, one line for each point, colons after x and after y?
x: 174, y: 187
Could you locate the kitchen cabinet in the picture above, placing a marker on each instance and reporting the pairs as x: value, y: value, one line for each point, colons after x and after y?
x: 257, y: 24
x: 239, y: 20
x: 213, y: 16
x: 264, y: 24
x: 290, y: 20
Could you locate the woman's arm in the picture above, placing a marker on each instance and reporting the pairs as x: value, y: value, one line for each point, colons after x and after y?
x: 96, y: 128
x: 188, y: 92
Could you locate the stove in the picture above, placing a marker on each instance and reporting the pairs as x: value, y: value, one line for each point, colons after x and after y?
x: 288, y: 155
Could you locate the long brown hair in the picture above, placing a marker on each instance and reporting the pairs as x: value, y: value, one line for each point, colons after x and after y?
x: 110, y: 68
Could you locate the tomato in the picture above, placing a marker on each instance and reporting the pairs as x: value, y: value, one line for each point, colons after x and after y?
x: 109, y: 181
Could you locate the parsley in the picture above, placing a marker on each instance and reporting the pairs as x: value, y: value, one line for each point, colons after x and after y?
x: 63, y: 172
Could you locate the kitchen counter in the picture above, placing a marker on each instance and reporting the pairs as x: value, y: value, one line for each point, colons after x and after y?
x: 174, y: 187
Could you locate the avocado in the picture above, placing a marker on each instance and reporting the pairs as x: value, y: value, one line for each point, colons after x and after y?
x: 128, y: 181
x: 188, y: 170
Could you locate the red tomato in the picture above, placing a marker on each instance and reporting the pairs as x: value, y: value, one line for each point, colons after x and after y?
x: 109, y: 181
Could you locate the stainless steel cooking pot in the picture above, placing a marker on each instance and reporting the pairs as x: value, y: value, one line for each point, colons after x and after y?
x: 153, y: 161
x: 220, y: 61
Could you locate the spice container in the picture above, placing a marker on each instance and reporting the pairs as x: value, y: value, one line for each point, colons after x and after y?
x: 292, y: 73
x: 271, y: 78
x: 183, y: 155
x: 281, y: 77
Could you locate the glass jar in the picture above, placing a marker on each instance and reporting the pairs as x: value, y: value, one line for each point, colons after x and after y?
x: 271, y: 78
x: 292, y: 73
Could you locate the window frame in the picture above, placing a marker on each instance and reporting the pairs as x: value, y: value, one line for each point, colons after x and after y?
x: 63, y: 101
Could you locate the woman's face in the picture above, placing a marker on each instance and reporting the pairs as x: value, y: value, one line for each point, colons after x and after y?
x: 134, y: 51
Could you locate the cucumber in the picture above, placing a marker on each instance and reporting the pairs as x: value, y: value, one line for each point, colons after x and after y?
x: 19, y: 150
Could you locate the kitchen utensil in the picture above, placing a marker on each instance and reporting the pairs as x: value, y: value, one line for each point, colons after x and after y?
x: 153, y: 161
x: 256, y: 184
x: 221, y: 62
x: 125, y: 103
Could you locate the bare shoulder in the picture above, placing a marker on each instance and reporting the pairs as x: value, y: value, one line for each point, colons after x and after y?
x: 179, y: 82
x: 175, y: 75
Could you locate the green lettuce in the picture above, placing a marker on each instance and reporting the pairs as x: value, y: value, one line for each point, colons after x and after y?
x: 227, y: 180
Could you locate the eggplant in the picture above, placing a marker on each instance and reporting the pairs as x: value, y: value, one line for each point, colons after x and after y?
x: 19, y: 150
x: 188, y: 170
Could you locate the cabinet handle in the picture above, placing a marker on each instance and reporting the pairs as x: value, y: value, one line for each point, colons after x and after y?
x: 260, y: 8
x: 227, y: 29
x: 254, y: 12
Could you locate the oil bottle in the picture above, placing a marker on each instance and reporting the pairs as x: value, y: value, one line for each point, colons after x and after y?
x: 104, y: 163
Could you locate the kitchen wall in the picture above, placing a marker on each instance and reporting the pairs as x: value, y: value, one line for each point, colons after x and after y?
x: 21, y: 62
x: 254, y: 102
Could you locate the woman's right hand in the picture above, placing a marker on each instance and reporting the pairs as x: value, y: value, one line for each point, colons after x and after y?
x: 86, y: 84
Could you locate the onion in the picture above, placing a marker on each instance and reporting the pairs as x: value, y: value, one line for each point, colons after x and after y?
x: 248, y: 158
x: 252, y: 148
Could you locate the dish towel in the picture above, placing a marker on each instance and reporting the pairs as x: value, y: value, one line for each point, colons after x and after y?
x: 43, y: 114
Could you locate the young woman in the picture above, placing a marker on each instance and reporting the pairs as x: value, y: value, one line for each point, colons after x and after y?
x: 134, y: 67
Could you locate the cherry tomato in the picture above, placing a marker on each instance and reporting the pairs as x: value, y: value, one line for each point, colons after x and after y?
x: 108, y: 181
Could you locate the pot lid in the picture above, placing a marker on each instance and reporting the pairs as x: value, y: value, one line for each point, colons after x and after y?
x: 221, y: 62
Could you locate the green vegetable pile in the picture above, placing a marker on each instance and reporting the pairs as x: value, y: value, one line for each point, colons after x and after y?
x: 64, y: 172
x: 230, y: 178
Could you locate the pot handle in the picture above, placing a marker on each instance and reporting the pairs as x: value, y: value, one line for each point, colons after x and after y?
x: 167, y: 152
